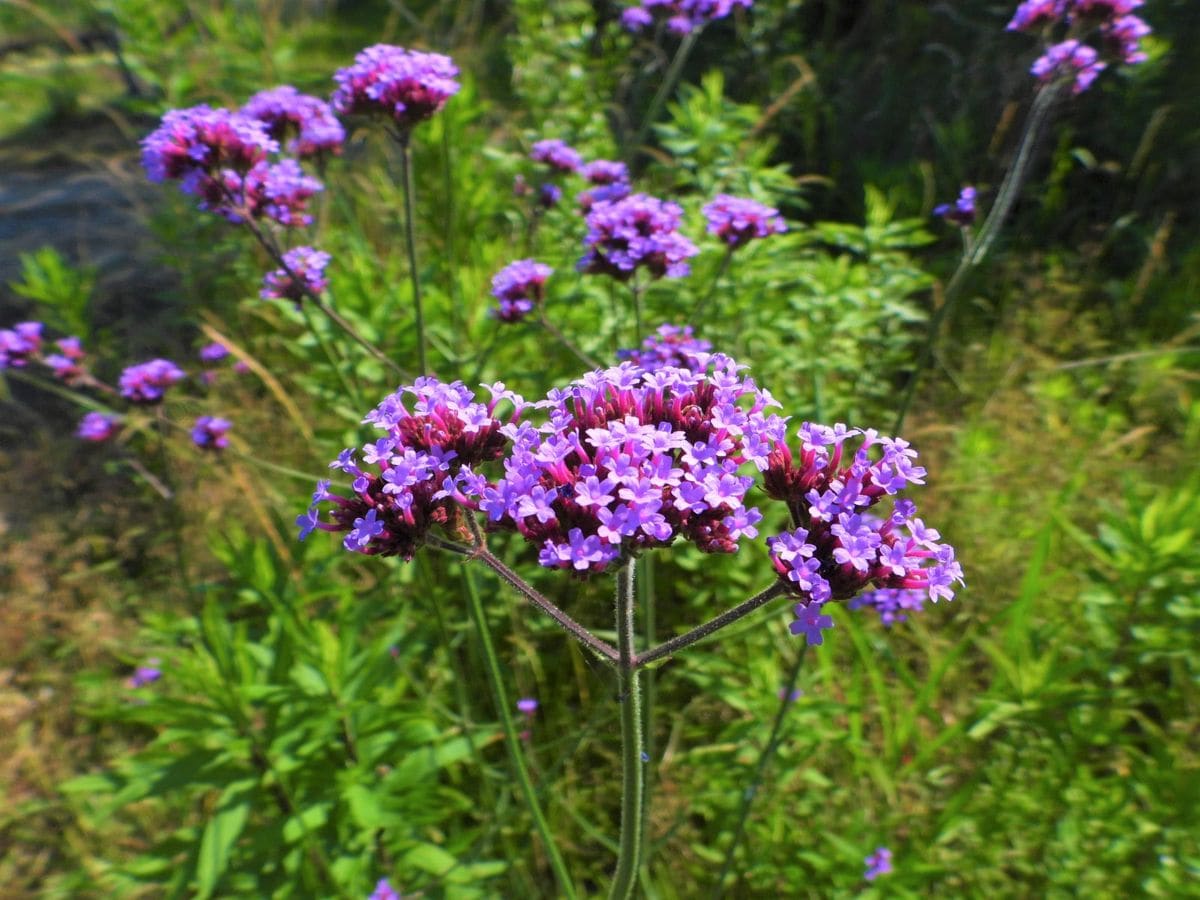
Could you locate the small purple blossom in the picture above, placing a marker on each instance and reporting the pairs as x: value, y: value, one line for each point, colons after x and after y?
x: 878, y: 863
x: 308, y: 122
x: 1071, y: 59
x: 670, y: 345
x: 213, y: 353
x: 608, y: 180
x: 527, y: 706
x: 304, y: 276
x: 19, y: 344
x: 737, y: 221
x: 147, y: 382
x: 519, y: 288
x: 558, y: 155
x: 892, y: 604
x: 98, y: 427
x: 145, y: 675
x: 810, y: 622
x: 636, y: 232
x: 211, y: 433
x: 384, y: 891
x: 962, y: 211
x: 549, y: 195
x: 279, y: 192
x: 406, y: 85
x: 682, y: 16
x: 195, y: 144
x: 1036, y: 13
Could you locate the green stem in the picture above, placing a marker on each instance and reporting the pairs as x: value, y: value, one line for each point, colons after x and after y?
x: 665, y: 88
x: 637, y: 312
x: 764, y: 759
x: 649, y: 637
x: 333, y: 359
x: 700, y: 632
x: 632, y: 740
x: 512, y: 740
x: 410, y: 243
x: 703, y: 302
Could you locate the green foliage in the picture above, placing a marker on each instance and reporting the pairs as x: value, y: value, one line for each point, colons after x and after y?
x: 62, y: 291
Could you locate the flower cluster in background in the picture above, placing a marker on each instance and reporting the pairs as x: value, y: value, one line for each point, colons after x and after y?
x: 519, y: 288
x: 301, y: 275
x: 682, y: 16
x: 961, y: 212
x: 637, y: 232
x: 1087, y: 36
x: 670, y: 345
x: 737, y: 221
x: 406, y: 86
x: 878, y: 863
x: 307, y: 123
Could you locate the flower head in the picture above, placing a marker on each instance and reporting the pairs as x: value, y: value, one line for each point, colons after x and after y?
x: 608, y: 180
x: 558, y: 155
x: 527, y: 706
x: 636, y: 232
x: 1069, y: 59
x: 307, y: 122
x: 1035, y: 13
x: 145, y: 675
x: 683, y: 16
x: 147, y: 382
x: 737, y: 221
x: 211, y: 433
x: 962, y: 211
x: 408, y: 86
x: 304, y: 275
x: 213, y: 353
x: 200, y: 142
x: 892, y: 604
x: 519, y: 287
x: 98, y: 427
x: 670, y: 345
x: 19, y: 344
x: 384, y: 891
x: 878, y: 863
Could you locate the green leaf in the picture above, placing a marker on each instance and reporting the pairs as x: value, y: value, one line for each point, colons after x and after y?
x: 221, y: 834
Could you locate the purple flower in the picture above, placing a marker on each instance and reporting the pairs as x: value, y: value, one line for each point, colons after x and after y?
x: 1035, y: 13
x: 145, y: 675
x: 670, y: 345
x: 609, y: 182
x: 527, y: 705
x: 147, y: 382
x: 308, y: 121
x: 878, y: 863
x: 1104, y: 9
x: 303, y: 276
x: 1123, y: 39
x: 1069, y: 59
x: 280, y: 192
x: 549, y: 195
x: 682, y: 16
x: 406, y: 85
x: 636, y: 232
x: 736, y: 220
x: 384, y: 891
x: 19, y: 344
x: 212, y: 353
x: 810, y: 622
x: 962, y: 211
x: 98, y: 427
x: 519, y: 288
x: 558, y: 155
x: 890, y: 603
x: 211, y: 433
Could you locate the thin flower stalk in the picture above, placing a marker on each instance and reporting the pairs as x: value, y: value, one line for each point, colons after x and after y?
x: 629, y: 695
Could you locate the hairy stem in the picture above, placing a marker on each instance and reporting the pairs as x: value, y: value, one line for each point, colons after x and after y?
x: 700, y: 632
x: 632, y: 740
x: 410, y: 243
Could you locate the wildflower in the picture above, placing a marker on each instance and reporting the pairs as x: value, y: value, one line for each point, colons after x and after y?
x: 558, y: 155
x: 403, y: 494
x: 1069, y: 59
x: 98, y: 427
x: 878, y: 863
x: 68, y: 362
x: 213, y: 353
x: 519, y: 287
x: 145, y: 675
x: 196, y: 146
x: 683, y: 16
x: 310, y: 121
x: 810, y: 622
x: 280, y: 192
x: 549, y: 195
x: 636, y: 232
x: 962, y: 211
x: 609, y: 182
x: 737, y: 221
x: 670, y: 345
x: 406, y: 85
x: 147, y: 382
x: 839, y: 548
x: 384, y: 891
x: 527, y: 706
x: 1035, y: 13
x: 890, y: 603
x: 1122, y: 38
x: 303, y: 275
x: 19, y: 344
x: 211, y: 433
x: 1104, y: 10
x: 790, y: 696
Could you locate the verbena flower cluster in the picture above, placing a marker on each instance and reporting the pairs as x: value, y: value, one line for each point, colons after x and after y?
x: 682, y: 16
x: 303, y: 276
x: 878, y: 863
x: 519, y: 288
x: 211, y: 433
x: 147, y: 382
x: 892, y: 604
x: 407, y: 86
x: 670, y: 345
x: 307, y: 123
x: 638, y: 232
x: 20, y: 344
x: 559, y: 156
x: 962, y: 211
x: 1088, y: 36
x: 609, y: 181
x: 737, y: 221
x: 98, y: 427
x: 838, y: 548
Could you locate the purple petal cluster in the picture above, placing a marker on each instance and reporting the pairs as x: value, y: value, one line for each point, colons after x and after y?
x: 303, y: 275
x: 1069, y: 58
x: 629, y: 460
x: 67, y: 363
x: 384, y: 891
x: 670, y: 345
x: 838, y: 548
x: 213, y: 353
x: 737, y: 221
x: 211, y: 433
x: 1036, y: 13
x: 519, y: 288
x: 146, y: 382
x: 892, y: 604
x: 878, y: 863
x: 636, y: 232
x: 1114, y: 32
x: 962, y: 211
x: 98, y: 427
x: 527, y: 706
x: 682, y: 16
x: 279, y: 192
x: 20, y: 344
x: 558, y: 155
x: 198, y: 143
x: 609, y: 181
x: 408, y: 86
x: 403, y: 483
x: 308, y: 123
x: 145, y: 675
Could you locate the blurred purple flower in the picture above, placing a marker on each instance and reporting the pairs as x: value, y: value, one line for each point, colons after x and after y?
x: 406, y: 85
x: 527, y: 705
x: 304, y: 275
x: 519, y: 288
x: 307, y: 121
x: 214, y: 352
x: 384, y: 891
x: 1071, y: 59
x: 211, y: 433
x: 636, y: 232
x: 558, y: 155
x: 737, y: 221
x: 147, y: 382
x: 19, y: 344
x: 878, y: 863
x: 145, y: 675
x: 98, y: 427
x: 962, y: 211
x: 682, y: 16
x: 670, y: 345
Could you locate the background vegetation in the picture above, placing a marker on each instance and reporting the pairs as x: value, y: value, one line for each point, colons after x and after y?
x: 323, y: 721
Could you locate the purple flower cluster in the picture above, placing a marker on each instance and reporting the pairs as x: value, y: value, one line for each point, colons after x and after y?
x: 636, y: 232
x: 670, y: 345
x: 20, y: 344
x: 307, y: 121
x: 683, y: 16
x: 838, y: 549
x: 891, y: 603
x: 213, y: 353
x: 145, y: 675
x: 67, y: 363
x: 211, y: 433
x: 414, y: 469
x: 1116, y: 33
x: 384, y: 891
x: 962, y: 211
x: 737, y: 221
x: 280, y: 192
x: 406, y: 85
x: 527, y: 706
x: 559, y: 156
x: 98, y: 427
x: 630, y: 460
x: 878, y: 863
x: 147, y: 382
x: 519, y: 288
x: 609, y: 182
x: 304, y: 275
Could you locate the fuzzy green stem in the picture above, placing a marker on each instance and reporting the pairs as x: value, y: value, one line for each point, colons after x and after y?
x: 764, y: 759
x: 665, y: 88
x: 512, y: 740
x: 700, y: 632
x: 410, y: 243
x: 632, y: 740
x: 649, y: 636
